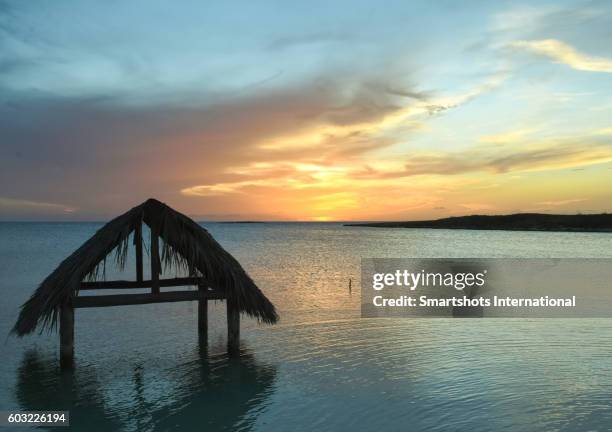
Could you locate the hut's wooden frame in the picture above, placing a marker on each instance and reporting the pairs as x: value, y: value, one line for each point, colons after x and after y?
x: 202, y: 295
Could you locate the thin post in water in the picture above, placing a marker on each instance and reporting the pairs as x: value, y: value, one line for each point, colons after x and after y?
x: 202, y: 316
x: 233, y: 328
x: 66, y: 336
x: 155, y: 261
x: 138, y: 245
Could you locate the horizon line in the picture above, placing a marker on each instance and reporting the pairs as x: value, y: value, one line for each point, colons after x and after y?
x: 254, y: 221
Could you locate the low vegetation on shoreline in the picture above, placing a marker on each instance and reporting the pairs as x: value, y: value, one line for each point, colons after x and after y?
x: 515, y: 222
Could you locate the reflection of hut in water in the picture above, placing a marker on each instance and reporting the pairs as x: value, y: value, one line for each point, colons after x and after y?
x: 207, y: 392
x: 221, y: 394
x: 185, y: 246
x: 40, y: 387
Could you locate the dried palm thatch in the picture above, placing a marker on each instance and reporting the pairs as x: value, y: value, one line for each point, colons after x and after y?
x: 186, y: 246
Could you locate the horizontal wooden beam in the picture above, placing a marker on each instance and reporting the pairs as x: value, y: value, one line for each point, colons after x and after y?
x: 144, y: 298
x: 125, y: 284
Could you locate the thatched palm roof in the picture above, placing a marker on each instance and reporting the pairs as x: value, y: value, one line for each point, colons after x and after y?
x: 186, y: 245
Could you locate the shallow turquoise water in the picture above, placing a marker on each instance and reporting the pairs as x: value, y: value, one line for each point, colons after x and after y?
x: 140, y: 367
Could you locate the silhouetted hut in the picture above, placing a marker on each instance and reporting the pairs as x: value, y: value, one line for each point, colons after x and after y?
x: 186, y: 246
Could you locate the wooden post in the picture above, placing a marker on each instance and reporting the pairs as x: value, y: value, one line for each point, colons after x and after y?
x: 155, y: 261
x: 233, y: 328
x: 203, y: 316
x: 66, y: 336
x: 138, y: 244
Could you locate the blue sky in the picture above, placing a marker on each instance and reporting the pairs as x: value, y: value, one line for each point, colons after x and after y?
x: 304, y: 111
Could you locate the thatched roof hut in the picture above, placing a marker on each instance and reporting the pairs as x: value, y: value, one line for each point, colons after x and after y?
x: 186, y: 246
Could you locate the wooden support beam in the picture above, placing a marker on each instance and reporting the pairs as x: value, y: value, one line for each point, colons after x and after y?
x: 145, y: 298
x: 233, y: 329
x: 155, y: 261
x: 138, y: 244
x: 67, y: 336
x: 203, y: 315
x: 124, y: 284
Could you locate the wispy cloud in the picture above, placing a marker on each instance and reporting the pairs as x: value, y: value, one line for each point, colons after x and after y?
x: 479, y: 207
x: 21, y: 204
x: 507, y: 137
x: 562, y: 202
x: 566, y: 54
x: 501, y: 159
x: 364, y: 120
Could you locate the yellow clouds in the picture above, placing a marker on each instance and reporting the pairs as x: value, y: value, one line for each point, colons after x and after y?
x: 533, y: 156
x: 415, y: 182
x: 323, y: 134
x: 503, y: 153
x: 507, y: 137
x: 278, y: 175
x: 310, y: 191
x: 566, y: 54
x: 222, y: 188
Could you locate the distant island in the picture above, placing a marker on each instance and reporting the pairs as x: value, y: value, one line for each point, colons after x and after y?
x: 515, y: 222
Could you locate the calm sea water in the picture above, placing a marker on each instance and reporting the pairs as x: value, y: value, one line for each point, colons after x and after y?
x: 140, y: 368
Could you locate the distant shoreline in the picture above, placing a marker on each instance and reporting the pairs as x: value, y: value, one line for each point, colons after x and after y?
x: 515, y: 222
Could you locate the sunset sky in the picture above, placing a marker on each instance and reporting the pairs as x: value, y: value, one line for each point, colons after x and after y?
x: 305, y: 110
